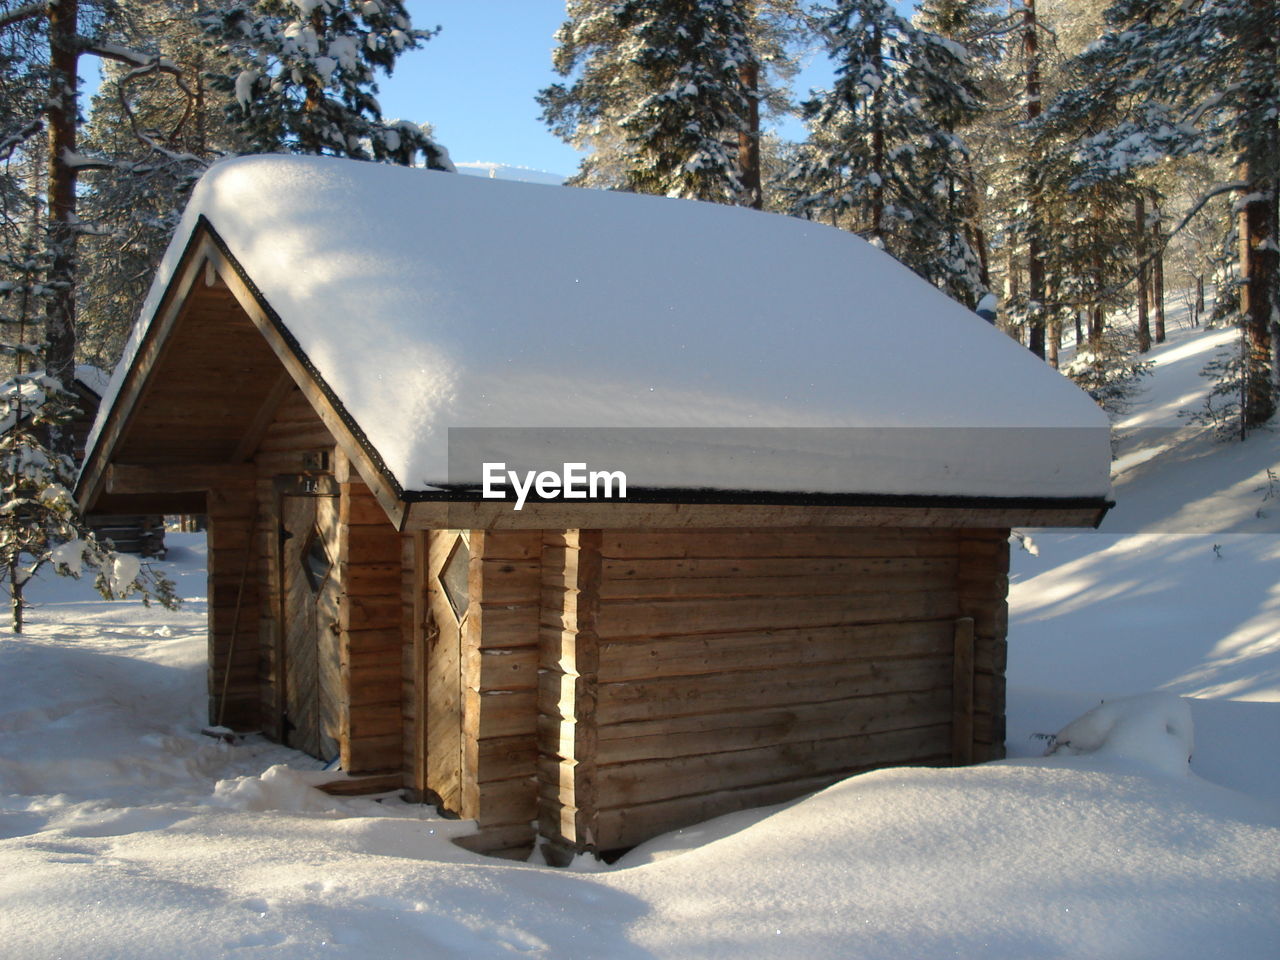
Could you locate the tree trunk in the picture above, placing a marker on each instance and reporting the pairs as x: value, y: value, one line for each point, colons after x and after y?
x: 1157, y: 274
x: 1257, y: 226
x: 1258, y: 256
x: 1199, y: 300
x: 1097, y: 314
x: 1140, y: 251
x: 984, y: 257
x: 16, y: 602
x: 1035, y: 260
x: 749, y: 139
x: 60, y: 313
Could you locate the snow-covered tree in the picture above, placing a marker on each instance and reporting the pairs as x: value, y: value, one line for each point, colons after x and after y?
x: 885, y: 154
x: 160, y: 133
x: 303, y: 77
x: 39, y: 522
x: 1193, y: 78
x: 686, y: 131
x: 598, y: 53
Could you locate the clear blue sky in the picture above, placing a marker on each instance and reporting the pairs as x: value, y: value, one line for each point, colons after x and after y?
x: 475, y: 82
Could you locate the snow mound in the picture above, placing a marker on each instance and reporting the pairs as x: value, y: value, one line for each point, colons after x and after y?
x: 276, y: 788
x: 1151, y: 730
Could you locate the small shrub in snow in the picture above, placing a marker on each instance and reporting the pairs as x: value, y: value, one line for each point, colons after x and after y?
x: 1109, y: 372
x: 1152, y: 730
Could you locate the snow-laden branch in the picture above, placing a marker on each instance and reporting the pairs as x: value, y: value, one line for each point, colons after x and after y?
x: 1205, y: 198
x: 79, y: 161
x: 18, y: 138
x: 1215, y: 191
x: 134, y: 58
x: 145, y: 64
x: 28, y: 11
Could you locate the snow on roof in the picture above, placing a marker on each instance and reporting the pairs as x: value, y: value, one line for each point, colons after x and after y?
x: 428, y: 301
x: 94, y: 379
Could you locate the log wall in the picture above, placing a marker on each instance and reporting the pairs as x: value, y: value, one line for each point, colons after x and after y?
x: 691, y: 673
x: 370, y: 632
x: 984, y: 586
x: 500, y: 688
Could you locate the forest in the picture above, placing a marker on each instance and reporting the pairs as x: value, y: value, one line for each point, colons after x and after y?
x: 1060, y: 166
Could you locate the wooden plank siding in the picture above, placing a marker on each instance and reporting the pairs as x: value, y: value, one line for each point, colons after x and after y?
x: 500, y: 681
x: 369, y: 632
x: 983, y: 585
x: 738, y: 667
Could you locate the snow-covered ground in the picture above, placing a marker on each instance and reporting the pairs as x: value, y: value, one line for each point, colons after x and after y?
x: 126, y: 834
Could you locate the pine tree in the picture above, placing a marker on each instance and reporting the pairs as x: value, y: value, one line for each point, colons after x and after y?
x: 39, y: 522
x: 687, y: 131
x: 43, y: 44
x: 607, y: 82
x: 885, y: 151
x: 303, y: 78
x: 1197, y: 78
x: 160, y: 135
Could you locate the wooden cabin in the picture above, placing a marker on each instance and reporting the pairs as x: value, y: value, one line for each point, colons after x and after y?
x: 587, y: 672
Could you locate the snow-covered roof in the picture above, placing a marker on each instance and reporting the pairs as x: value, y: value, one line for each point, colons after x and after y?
x: 427, y: 301
x: 94, y: 379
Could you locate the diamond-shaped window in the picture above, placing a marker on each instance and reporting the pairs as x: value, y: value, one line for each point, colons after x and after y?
x: 315, y: 561
x: 453, y: 578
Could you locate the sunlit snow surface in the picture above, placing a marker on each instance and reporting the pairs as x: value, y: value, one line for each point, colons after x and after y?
x: 429, y: 301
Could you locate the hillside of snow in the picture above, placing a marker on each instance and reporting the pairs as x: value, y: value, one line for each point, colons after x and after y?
x: 126, y: 834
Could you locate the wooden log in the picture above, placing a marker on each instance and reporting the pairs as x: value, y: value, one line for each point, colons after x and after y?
x: 505, y: 713
x: 655, y: 618
x: 623, y: 827
x: 509, y: 668
x: 370, y: 754
x: 512, y: 581
x: 616, y: 572
x: 810, y: 683
x: 941, y: 577
x: 747, y: 729
x: 962, y: 694
x: 375, y: 720
x: 715, y: 653
x: 571, y: 690
x: 507, y: 758
x: 645, y: 781
x: 364, y: 785
x: 796, y: 543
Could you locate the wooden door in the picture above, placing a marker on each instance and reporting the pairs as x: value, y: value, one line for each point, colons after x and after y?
x: 310, y: 592
x: 448, y: 562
